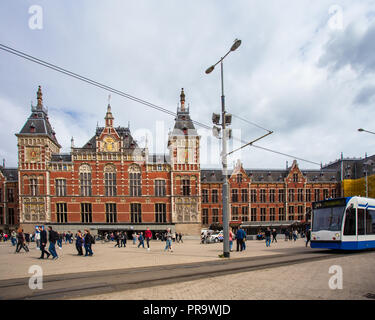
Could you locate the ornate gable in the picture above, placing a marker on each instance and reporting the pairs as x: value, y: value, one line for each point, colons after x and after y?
x: 238, y: 170
x: 295, y: 174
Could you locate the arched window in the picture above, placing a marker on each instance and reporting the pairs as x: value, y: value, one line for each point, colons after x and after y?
x: 85, y: 180
x: 135, y: 181
x: 110, y: 182
x: 34, y: 186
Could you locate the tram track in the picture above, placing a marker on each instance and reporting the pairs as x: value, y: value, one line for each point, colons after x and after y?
x: 75, y: 285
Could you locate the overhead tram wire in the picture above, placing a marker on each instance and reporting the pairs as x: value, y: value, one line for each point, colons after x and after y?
x: 125, y: 95
x: 252, y: 123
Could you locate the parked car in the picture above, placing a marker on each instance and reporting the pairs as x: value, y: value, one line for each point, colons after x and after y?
x: 216, y: 237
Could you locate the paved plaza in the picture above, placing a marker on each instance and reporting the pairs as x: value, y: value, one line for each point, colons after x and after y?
x: 108, y: 257
x: 307, y: 280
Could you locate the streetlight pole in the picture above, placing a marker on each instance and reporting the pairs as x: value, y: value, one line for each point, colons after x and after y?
x: 225, y: 191
x: 363, y: 130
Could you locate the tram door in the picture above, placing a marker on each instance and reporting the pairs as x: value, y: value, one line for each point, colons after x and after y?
x: 350, y: 230
x: 361, y: 213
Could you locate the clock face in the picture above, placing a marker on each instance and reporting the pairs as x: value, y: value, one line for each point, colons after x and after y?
x: 33, y: 154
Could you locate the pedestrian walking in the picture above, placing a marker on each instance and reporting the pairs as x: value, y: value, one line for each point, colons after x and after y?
x: 274, y: 235
x: 79, y: 243
x: 148, y: 236
x: 168, y: 244
x: 43, y: 242
x: 295, y: 235
x: 134, y: 238
x: 53, y: 236
x: 59, y: 240
x: 308, y: 236
x: 286, y: 234
x: 244, y: 241
x: 239, y: 238
x: 124, y: 238
x: 21, y: 242
x: 267, y: 234
x: 37, y: 238
x: 89, y: 240
x: 14, y: 237
x: 121, y: 238
x: 141, y: 240
x: 180, y: 237
x: 117, y: 238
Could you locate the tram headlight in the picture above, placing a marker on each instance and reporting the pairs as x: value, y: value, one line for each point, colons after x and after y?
x: 337, y: 235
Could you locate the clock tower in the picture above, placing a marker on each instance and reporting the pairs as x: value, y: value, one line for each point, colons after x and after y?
x: 36, y: 144
x: 183, y: 144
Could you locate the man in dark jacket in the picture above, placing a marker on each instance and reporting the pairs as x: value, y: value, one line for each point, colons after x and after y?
x: 53, y: 237
x: 43, y: 242
x: 240, y: 235
x: 88, y: 243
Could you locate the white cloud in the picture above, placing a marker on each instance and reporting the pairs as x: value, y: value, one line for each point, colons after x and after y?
x: 281, y: 77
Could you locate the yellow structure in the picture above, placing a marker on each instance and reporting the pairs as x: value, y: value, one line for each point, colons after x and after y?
x: 357, y: 187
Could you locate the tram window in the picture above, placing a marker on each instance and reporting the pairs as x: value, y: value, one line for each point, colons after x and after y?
x: 361, y: 221
x: 349, y: 228
x: 370, y: 221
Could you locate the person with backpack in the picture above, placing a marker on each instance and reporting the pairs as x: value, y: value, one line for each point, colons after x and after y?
x: 53, y: 236
x: 141, y: 240
x: 89, y: 240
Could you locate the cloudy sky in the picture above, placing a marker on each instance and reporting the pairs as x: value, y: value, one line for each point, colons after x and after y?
x: 305, y: 69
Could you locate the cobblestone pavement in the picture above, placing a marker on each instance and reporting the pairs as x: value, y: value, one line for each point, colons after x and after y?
x: 307, y: 281
x: 107, y: 257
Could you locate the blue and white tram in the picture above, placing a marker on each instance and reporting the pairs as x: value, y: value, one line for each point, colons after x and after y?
x: 344, y: 224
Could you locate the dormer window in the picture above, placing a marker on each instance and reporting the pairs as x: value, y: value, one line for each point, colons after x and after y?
x: 239, y: 178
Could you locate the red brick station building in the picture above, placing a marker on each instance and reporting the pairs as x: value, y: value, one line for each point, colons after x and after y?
x: 112, y: 184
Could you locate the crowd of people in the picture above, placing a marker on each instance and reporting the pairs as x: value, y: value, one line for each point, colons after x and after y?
x: 240, y: 236
x: 85, y: 240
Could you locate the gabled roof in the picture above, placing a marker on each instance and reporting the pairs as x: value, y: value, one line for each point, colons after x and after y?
x: 10, y: 174
x: 129, y: 142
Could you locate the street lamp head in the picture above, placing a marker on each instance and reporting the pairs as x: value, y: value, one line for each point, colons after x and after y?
x: 235, y: 45
x: 210, y: 69
x: 361, y: 130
